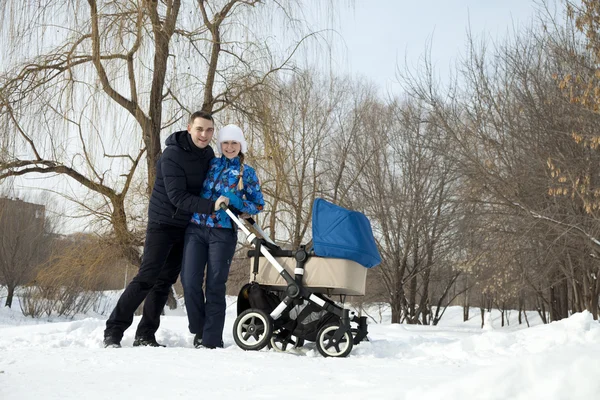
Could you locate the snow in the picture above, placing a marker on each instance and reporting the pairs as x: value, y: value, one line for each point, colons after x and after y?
x: 59, y: 358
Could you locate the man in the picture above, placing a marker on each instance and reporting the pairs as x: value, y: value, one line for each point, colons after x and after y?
x: 180, y: 173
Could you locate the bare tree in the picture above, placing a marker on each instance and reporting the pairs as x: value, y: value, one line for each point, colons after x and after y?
x: 91, y: 103
x: 300, y: 134
x: 513, y: 144
x: 405, y: 189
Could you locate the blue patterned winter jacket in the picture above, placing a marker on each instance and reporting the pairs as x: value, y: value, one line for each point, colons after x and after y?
x: 222, y: 179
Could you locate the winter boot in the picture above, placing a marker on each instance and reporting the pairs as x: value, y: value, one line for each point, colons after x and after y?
x: 147, y: 342
x: 110, y: 341
x: 220, y: 346
x: 198, y: 340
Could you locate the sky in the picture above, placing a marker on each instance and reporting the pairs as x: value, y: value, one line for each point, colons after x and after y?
x: 382, y: 35
x: 58, y: 358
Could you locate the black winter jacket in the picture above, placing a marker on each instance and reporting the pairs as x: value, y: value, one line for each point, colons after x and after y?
x: 180, y: 173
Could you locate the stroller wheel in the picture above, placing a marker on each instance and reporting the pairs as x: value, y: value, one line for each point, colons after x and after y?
x: 329, y: 347
x: 282, y: 341
x: 252, y: 329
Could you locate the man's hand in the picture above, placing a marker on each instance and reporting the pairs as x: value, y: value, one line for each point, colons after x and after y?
x: 221, y: 200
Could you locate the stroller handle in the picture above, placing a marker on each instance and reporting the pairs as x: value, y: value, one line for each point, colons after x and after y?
x: 251, y: 221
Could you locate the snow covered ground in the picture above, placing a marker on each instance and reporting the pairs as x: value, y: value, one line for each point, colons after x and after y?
x: 64, y: 359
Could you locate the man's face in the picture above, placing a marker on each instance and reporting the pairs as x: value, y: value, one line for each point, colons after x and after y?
x: 201, y: 131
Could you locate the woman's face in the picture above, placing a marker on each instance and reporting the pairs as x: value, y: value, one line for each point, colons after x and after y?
x: 230, y: 148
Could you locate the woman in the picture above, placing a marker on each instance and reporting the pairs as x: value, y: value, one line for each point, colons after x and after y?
x: 210, y: 239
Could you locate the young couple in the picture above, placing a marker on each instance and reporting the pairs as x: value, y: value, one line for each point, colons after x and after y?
x: 188, y: 232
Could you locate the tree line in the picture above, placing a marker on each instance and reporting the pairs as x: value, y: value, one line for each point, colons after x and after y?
x: 482, y: 191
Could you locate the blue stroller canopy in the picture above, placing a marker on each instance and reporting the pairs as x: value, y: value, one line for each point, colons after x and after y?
x: 341, y: 233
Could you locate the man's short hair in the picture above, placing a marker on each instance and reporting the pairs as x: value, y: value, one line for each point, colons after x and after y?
x: 201, y: 114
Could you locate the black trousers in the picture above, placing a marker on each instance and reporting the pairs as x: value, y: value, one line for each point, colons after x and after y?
x: 161, y: 264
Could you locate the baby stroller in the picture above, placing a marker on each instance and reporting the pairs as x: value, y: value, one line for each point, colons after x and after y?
x: 287, y: 300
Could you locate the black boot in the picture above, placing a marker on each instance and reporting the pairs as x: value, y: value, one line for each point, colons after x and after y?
x: 220, y: 346
x: 198, y: 340
x: 146, y: 341
x: 110, y: 341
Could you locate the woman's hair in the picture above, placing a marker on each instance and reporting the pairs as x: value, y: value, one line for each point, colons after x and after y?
x: 240, y: 179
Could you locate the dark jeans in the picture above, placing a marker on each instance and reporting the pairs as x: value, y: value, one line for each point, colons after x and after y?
x: 212, y: 248
x: 161, y: 264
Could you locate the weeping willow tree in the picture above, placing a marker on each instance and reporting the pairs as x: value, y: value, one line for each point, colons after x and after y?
x: 87, y: 88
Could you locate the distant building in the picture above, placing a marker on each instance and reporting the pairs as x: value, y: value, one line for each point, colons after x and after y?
x: 13, y: 206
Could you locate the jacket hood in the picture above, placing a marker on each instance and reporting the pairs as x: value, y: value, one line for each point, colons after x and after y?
x: 183, y: 140
x: 179, y: 139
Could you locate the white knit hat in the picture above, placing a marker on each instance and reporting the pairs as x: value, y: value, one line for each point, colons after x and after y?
x: 231, y: 132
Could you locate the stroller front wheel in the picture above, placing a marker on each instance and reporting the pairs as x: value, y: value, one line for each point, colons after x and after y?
x: 252, y: 329
x: 328, y: 346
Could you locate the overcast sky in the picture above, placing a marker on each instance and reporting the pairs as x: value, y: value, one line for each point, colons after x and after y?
x: 380, y: 34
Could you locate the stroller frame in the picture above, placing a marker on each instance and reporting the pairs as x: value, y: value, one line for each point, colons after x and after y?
x: 254, y: 328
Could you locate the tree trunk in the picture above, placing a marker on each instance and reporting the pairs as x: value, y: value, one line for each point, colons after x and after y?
x: 9, y: 297
x: 577, y: 303
x: 564, y: 299
x: 172, y: 299
x: 412, y: 301
x: 153, y: 152
x: 541, y: 309
x: 163, y: 31
x: 559, y: 301
x: 466, y: 303
x: 482, y: 312
x: 396, y: 313
x: 526, y: 319
x: 123, y: 237
x: 594, y: 299
x: 273, y: 213
x: 424, y: 303
x: 521, y: 308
